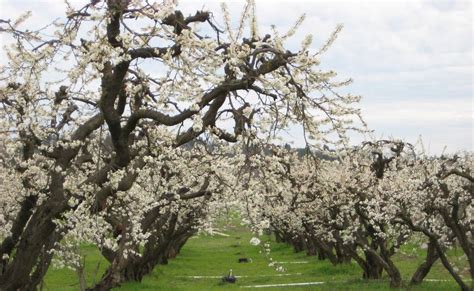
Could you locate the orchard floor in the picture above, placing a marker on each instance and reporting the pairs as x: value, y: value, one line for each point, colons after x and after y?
x: 204, y: 259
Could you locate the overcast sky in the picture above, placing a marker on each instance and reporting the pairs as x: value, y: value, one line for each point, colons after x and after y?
x: 412, y: 61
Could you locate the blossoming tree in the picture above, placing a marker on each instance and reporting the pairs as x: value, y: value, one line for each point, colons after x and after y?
x: 116, y: 70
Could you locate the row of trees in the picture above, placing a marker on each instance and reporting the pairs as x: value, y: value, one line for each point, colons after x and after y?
x: 97, y: 106
x: 367, y: 203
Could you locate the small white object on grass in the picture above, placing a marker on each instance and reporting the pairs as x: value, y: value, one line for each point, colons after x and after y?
x: 254, y: 241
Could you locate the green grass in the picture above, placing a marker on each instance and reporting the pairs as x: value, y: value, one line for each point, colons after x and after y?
x: 215, y: 255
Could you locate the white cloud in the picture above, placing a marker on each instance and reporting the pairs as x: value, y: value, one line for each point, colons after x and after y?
x: 406, y: 112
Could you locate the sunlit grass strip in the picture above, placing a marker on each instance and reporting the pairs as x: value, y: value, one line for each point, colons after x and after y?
x: 283, y: 285
x: 244, y: 276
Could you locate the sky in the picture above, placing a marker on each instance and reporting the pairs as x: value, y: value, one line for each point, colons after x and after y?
x: 411, y: 61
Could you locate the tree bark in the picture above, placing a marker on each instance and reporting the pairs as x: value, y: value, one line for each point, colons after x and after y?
x: 372, y: 269
x: 423, y: 270
x: 21, y: 219
x: 34, y: 238
x: 450, y: 269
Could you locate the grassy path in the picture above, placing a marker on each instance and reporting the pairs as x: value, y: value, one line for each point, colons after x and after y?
x: 204, y: 259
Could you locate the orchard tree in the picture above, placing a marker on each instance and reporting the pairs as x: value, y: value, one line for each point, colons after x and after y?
x: 112, y: 70
x: 434, y: 197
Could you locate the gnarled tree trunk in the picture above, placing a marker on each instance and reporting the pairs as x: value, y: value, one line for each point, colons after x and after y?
x: 423, y: 270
